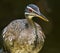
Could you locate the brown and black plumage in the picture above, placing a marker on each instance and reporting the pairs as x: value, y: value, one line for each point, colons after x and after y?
x: 24, y: 35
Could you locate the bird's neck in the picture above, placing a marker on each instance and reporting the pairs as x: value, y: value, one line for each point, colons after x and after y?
x: 30, y: 21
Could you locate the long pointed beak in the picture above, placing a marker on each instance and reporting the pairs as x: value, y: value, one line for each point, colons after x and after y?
x: 42, y: 17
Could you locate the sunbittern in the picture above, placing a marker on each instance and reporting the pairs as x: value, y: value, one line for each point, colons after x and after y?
x: 24, y: 35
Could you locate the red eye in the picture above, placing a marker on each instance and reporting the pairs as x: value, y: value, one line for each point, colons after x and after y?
x: 30, y: 10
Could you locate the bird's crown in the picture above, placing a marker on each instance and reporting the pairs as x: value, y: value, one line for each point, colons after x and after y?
x: 32, y: 8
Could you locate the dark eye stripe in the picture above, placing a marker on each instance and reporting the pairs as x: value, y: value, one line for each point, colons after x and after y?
x: 30, y: 10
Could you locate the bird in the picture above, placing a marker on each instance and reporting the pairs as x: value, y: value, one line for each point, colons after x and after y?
x: 25, y: 35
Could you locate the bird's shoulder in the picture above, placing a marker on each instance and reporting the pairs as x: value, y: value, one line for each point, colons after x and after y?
x: 17, y: 24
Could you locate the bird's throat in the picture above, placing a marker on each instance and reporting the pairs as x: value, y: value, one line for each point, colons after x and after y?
x: 30, y: 21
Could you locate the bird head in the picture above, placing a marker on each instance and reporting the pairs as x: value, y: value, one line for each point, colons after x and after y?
x: 33, y: 11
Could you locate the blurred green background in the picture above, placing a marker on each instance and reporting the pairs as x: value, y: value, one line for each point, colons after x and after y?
x: 14, y: 9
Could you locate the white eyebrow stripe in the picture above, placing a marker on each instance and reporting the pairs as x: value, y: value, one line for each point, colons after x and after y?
x: 32, y: 9
x: 29, y: 7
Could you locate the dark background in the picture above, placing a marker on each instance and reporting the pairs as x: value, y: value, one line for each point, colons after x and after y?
x: 14, y: 9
